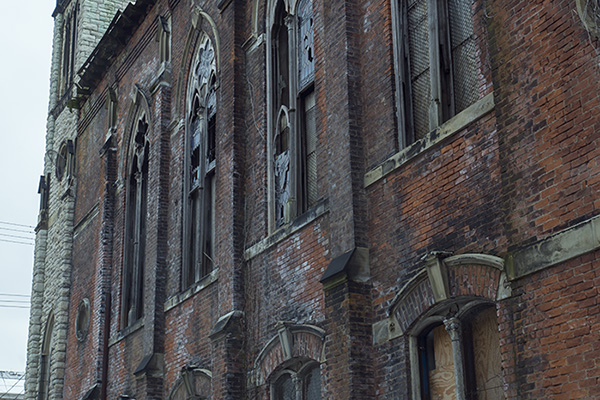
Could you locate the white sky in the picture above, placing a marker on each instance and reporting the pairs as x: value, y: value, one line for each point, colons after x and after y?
x: 25, y: 51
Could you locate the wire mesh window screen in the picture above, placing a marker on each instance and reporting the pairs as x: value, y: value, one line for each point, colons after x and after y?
x: 284, y: 388
x: 418, y: 43
x: 463, y: 53
x: 312, y: 389
x: 311, y: 147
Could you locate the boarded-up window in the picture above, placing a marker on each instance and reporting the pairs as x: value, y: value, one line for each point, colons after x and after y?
x: 478, y: 355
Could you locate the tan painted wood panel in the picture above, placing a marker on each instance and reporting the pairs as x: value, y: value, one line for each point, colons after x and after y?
x: 486, y: 348
x: 443, y: 386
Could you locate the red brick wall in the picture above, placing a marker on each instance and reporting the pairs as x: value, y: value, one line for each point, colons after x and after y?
x: 522, y: 172
x: 549, y: 333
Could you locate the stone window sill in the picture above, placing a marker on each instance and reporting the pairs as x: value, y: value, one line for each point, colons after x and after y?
x: 287, y: 230
x: 123, y: 333
x: 442, y: 132
x: 197, y: 287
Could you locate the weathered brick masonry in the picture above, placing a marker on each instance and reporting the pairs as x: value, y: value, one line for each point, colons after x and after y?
x: 477, y: 242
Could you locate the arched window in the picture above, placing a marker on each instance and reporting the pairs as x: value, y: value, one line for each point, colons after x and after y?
x: 459, y: 353
x: 447, y: 310
x: 193, y: 384
x: 199, y: 210
x: 292, y: 111
x: 46, y: 360
x: 300, y: 380
x: 135, y: 223
x: 435, y: 63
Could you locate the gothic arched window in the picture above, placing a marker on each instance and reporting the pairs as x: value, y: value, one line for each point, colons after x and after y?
x: 199, y: 210
x: 46, y: 360
x: 301, y: 380
x: 135, y: 223
x: 292, y: 111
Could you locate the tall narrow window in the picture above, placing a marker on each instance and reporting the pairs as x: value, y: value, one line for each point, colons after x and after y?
x: 293, y: 105
x: 199, y: 210
x: 69, y: 42
x: 135, y: 224
x: 164, y: 39
x: 46, y: 360
x: 112, y: 107
x: 44, y: 191
x: 435, y: 63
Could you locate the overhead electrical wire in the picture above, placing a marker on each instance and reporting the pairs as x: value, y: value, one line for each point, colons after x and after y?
x: 15, y: 224
x: 14, y: 241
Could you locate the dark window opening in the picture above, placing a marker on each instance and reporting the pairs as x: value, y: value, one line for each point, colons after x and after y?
x: 135, y: 228
x: 199, y: 212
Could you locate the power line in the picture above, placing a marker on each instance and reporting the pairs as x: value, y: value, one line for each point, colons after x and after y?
x: 16, y: 236
x: 3, y: 306
x: 14, y: 224
x: 15, y: 384
x: 18, y: 230
x: 13, y: 241
x: 14, y: 295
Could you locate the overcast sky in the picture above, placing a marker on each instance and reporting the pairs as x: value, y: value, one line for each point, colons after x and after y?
x: 25, y: 51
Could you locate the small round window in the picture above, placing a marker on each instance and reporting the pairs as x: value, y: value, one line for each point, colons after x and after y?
x: 61, y: 162
x: 83, y: 319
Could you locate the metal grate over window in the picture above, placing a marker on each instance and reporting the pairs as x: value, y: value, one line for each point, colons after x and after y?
x: 311, y: 147
x: 463, y: 54
x: 284, y: 388
x: 418, y: 38
x: 313, y: 385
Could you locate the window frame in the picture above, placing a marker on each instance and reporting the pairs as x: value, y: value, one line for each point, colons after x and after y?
x: 442, y: 105
x: 298, y: 371
x: 136, y: 206
x: 45, y: 376
x: 164, y: 39
x: 200, y: 198
x: 454, y: 314
x: 289, y: 200
x: 68, y: 49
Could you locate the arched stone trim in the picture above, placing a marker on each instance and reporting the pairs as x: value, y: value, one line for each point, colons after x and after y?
x: 445, y: 277
x: 192, y: 383
x: 193, y: 37
x: 138, y: 106
x: 291, y: 342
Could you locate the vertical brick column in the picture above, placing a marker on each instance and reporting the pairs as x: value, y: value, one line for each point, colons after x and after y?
x: 228, y: 357
x: 348, y: 372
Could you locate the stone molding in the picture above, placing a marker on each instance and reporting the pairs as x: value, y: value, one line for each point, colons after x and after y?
x: 291, y: 341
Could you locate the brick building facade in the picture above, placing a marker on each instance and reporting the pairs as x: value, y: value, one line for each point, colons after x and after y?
x: 305, y: 199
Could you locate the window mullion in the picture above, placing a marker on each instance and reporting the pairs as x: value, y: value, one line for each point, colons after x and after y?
x: 435, y: 106
x: 406, y: 126
x: 294, y: 139
x: 454, y: 329
x: 137, y: 231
